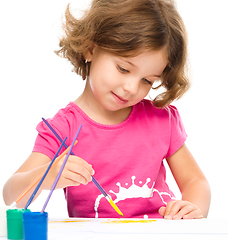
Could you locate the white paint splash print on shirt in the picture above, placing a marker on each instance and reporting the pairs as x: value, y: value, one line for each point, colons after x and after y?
x: 134, y: 191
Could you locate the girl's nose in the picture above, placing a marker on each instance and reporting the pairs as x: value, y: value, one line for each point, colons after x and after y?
x: 131, y: 86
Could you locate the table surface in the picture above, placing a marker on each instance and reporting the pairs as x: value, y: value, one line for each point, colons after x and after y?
x: 94, y: 229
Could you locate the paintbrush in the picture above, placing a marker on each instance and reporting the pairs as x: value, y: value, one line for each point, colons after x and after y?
x: 44, y: 176
x: 93, y: 179
x: 60, y: 172
x: 37, y: 180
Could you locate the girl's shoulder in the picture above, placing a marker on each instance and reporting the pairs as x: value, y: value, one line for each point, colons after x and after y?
x: 165, y: 124
x: 69, y: 110
x: 66, y: 115
x: 147, y: 106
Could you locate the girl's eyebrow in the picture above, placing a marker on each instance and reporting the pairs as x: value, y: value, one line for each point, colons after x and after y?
x: 158, y: 76
x: 129, y: 63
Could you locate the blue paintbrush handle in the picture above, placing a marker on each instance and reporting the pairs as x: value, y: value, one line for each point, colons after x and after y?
x: 45, y: 174
x: 99, y: 187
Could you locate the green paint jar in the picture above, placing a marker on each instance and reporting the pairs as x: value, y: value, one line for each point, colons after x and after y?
x: 15, y: 223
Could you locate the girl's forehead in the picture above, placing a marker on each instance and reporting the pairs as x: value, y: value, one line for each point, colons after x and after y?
x: 149, y: 54
x: 137, y: 53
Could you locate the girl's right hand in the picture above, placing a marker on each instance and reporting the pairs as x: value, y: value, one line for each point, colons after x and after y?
x: 76, y: 171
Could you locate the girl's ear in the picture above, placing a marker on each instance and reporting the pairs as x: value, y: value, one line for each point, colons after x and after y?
x: 90, y: 51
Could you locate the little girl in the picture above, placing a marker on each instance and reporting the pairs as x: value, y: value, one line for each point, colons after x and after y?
x: 121, y: 48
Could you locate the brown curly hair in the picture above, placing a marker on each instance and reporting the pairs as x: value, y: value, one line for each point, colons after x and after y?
x: 124, y: 28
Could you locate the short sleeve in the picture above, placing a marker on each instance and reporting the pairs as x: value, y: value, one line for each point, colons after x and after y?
x: 177, y: 132
x: 46, y: 142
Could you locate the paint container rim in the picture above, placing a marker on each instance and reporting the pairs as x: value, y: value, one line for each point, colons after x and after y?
x: 34, y: 216
x: 16, y: 213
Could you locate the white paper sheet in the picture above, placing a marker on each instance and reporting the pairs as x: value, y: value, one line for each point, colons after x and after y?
x: 139, y: 226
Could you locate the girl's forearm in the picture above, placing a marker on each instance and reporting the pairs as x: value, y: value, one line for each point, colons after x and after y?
x: 15, y: 186
x: 199, y: 193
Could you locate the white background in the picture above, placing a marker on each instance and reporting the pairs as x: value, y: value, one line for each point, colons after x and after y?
x: 36, y: 83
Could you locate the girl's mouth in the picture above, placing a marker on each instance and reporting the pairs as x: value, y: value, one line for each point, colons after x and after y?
x: 119, y: 99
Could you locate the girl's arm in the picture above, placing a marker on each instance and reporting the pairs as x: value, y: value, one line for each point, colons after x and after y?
x: 193, y: 185
x: 31, y: 169
x: 76, y: 172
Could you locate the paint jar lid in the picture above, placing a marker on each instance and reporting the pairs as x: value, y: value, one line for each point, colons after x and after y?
x: 35, y: 216
x: 15, y: 213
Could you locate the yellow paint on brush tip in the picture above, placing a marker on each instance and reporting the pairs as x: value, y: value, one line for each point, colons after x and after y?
x: 115, y: 207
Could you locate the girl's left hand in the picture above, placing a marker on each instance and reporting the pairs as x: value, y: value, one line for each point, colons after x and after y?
x: 176, y: 210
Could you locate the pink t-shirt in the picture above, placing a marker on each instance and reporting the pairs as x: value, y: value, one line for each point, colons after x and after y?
x: 127, y: 158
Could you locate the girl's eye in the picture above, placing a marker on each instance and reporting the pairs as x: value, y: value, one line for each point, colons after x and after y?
x: 146, y: 81
x: 122, y: 69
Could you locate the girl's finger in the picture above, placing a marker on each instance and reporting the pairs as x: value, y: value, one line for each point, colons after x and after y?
x: 184, y: 211
x: 83, y: 163
x: 174, y: 208
x: 162, y: 211
x: 77, y: 169
x: 169, y: 207
x: 196, y: 214
x: 76, y: 179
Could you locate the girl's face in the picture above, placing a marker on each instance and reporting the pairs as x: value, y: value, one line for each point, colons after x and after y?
x: 121, y: 82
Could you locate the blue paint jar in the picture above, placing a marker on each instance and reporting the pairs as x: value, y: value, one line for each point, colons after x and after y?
x: 35, y: 225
